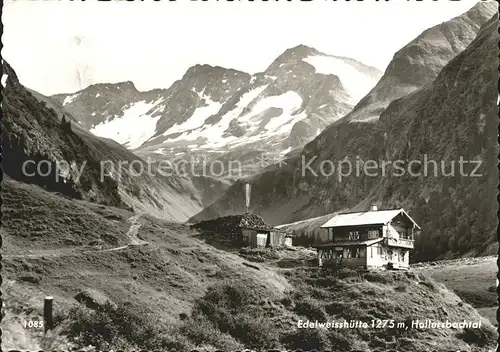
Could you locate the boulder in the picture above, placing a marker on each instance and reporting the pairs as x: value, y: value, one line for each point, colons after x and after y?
x: 94, y: 299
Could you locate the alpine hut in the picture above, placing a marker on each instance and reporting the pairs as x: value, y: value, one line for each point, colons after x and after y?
x: 370, y: 239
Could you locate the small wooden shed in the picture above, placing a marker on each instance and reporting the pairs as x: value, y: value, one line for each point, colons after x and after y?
x: 245, y: 230
x: 256, y: 233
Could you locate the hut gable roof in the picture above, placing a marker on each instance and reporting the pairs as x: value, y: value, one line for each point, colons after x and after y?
x: 366, y: 218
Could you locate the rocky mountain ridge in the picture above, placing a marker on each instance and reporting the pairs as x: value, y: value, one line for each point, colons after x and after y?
x: 420, y: 61
x: 212, y: 110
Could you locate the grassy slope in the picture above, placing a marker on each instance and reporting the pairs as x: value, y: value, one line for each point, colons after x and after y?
x: 473, y: 280
x: 34, y: 219
x: 179, y: 290
x: 160, y: 281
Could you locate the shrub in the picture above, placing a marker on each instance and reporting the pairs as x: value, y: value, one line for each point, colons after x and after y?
x: 474, y: 336
x: 377, y: 277
x: 329, y: 281
x: 255, y: 332
x: 429, y: 284
x: 91, y: 327
x: 200, y: 331
x: 401, y: 288
x: 307, y: 340
x: 232, y: 297
x: 482, y: 337
x: 112, y: 327
x: 344, y: 273
x: 334, y: 308
x: 234, y: 310
x: 286, y: 301
x: 339, y: 342
x: 310, y: 309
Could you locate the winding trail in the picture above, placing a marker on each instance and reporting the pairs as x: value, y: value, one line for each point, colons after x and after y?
x: 133, y: 241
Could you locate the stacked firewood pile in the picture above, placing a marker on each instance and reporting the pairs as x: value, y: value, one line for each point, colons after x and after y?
x: 230, y: 226
x: 252, y: 221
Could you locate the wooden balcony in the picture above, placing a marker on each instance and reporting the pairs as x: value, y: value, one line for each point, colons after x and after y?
x: 400, y: 242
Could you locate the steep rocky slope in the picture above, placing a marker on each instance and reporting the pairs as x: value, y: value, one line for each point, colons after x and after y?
x: 449, y: 119
x: 420, y: 61
x: 35, y: 134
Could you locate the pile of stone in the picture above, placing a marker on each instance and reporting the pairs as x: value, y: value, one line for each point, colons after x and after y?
x: 230, y: 226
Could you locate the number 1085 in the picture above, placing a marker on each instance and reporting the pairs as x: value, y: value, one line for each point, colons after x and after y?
x: 33, y: 324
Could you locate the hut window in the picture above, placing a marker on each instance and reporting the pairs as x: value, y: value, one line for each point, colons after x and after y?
x: 354, y: 235
x: 353, y: 252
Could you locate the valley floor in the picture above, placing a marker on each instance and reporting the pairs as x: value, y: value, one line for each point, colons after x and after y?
x: 472, y: 279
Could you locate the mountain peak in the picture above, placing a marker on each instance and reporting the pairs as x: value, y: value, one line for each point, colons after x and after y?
x: 127, y: 85
x: 297, y: 53
x: 302, y: 50
x: 420, y: 61
x: 206, y: 69
x: 9, y: 73
x: 292, y: 56
x: 480, y: 10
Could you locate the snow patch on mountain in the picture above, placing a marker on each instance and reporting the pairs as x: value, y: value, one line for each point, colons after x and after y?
x: 212, y: 109
x: 262, y: 117
x: 132, y: 129
x: 70, y: 98
x: 355, y: 82
x: 370, y: 118
x: 214, y: 133
x: 290, y: 102
x: 197, y: 119
x: 4, y: 80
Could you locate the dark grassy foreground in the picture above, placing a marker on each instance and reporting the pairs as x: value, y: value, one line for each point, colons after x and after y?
x: 232, y: 316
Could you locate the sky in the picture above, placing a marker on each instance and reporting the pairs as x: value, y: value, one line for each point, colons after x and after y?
x: 64, y: 46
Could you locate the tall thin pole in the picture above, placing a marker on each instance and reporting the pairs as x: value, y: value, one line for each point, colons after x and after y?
x: 247, y: 196
x: 47, y: 313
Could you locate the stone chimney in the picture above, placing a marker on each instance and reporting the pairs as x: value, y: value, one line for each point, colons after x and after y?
x: 373, y: 207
